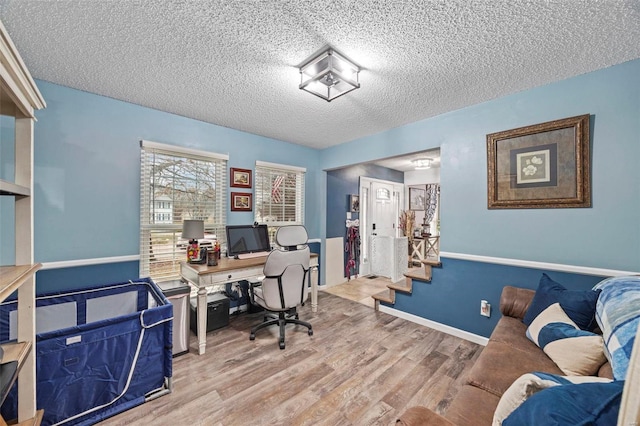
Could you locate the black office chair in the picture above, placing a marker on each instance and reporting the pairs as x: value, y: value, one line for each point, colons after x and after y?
x: 286, y: 281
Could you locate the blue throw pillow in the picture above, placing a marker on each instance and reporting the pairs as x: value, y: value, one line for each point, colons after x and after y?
x: 529, y: 384
x: 580, y: 306
x: 595, y: 404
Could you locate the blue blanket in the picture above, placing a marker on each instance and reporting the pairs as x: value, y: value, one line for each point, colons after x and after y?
x: 618, y: 315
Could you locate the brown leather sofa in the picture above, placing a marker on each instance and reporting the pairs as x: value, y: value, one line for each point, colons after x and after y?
x: 508, y: 355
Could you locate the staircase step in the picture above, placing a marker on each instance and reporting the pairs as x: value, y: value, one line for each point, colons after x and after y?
x: 387, y: 296
x: 402, y: 286
x: 384, y: 296
x: 418, y: 274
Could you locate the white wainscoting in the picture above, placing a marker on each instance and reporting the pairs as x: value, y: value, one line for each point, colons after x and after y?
x: 334, y: 261
x: 87, y: 262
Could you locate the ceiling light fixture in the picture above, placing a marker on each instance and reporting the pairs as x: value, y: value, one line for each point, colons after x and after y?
x: 329, y: 75
x: 422, y: 163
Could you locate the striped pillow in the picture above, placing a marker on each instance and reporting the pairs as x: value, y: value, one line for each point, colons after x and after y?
x: 618, y: 315
x: 575, y: 351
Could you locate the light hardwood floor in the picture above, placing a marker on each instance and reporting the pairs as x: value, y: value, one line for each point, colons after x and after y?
x: 360, y: 367
x: 360, y: 290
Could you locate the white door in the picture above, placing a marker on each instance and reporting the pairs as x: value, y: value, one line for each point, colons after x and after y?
x: 379, y: 211
x: 383, y: 212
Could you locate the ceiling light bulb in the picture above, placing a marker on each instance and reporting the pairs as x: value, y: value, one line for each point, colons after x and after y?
x: 422, y: 163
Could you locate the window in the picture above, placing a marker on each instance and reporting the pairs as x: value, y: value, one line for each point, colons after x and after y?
x: 177, y: 184
x: 279, y: 195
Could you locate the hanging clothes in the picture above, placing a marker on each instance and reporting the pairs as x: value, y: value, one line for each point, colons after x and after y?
x: 352, y: 248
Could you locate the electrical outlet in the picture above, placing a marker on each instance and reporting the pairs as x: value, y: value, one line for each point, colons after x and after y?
x: 485, y: 308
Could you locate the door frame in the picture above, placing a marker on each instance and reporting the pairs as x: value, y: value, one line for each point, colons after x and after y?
x: 366, y: 207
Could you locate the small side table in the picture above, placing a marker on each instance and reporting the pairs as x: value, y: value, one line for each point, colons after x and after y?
x: 417, y: 250
x: 432, y: 246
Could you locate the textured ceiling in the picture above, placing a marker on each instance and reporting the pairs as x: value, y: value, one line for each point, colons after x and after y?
x: 233, y: 63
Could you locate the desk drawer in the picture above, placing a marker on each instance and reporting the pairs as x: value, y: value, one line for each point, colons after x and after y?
x: 231, y: 276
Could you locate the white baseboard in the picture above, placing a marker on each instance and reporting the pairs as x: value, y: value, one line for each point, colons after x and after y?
x: 475, y: 338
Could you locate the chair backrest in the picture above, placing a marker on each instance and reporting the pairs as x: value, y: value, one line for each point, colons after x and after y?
x: 288, y: 268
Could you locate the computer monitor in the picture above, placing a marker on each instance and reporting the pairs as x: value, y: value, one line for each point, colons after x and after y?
x: 243, y: 239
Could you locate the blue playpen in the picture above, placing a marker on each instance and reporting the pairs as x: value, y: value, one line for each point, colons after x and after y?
x: 99, y: 351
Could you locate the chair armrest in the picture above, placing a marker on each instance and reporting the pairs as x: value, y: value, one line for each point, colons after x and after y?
x: 421, y: 416
x: 252, y: 285
x: 515, y: 301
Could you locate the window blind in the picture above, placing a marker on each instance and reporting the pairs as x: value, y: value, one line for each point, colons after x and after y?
x: 177, y: 184
x: 279, y: 194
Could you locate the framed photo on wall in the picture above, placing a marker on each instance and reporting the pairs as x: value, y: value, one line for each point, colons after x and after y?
x: 240, y: 178
x: 545, y: 165
x: 241, y: 201
x: 354, y: 203
x: 417, y: 198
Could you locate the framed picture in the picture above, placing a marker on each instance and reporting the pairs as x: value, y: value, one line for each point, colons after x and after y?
x: 241, y: 201
x: 417, y: 198
x: 541, y: 166
x: 354, y: 203
x: 240, y: 178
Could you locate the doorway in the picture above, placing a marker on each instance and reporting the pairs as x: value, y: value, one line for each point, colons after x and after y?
x: 380, y: 203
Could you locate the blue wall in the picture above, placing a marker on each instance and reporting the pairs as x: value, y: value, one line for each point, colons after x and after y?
x: 87, y: 170
x: 604, y: 236
x: 342, y: 183
x: 454, y: 294
x: 55, y: 280
x: 87, y: 184
x: 7, y: 204
x: 346, y: 181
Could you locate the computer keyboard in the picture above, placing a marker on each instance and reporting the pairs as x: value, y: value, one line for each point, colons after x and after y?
x: 252, y: 255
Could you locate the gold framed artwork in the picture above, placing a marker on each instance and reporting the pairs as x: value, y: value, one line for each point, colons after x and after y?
x: 545, y: 165
x: 240, y: 178
x: 241, y: 201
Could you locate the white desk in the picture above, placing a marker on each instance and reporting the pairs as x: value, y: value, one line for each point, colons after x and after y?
x: 232, y: 270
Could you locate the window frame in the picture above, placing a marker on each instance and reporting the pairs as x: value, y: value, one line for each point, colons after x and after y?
x: 264, y: 193
x: 170, y: 251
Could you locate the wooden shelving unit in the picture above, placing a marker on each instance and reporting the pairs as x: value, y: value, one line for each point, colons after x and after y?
x: 20, y: 98
x: 12, y: 277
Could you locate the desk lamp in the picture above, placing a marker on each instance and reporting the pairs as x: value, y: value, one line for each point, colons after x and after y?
x: 193, y: 230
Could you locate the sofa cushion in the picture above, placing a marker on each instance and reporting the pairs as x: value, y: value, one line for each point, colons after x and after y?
x: 472, y: 406
x: 501, y: 363
x: 618, y: 315
x: 575, y: 351
x: 580, y: 306
x: 530, y: 383
x: 513, y: 332
x: 579, y: 404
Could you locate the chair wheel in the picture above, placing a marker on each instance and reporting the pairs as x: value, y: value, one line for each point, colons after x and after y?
x: 310, y: 332
x: 252, y: 336
x: 281, y: 345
